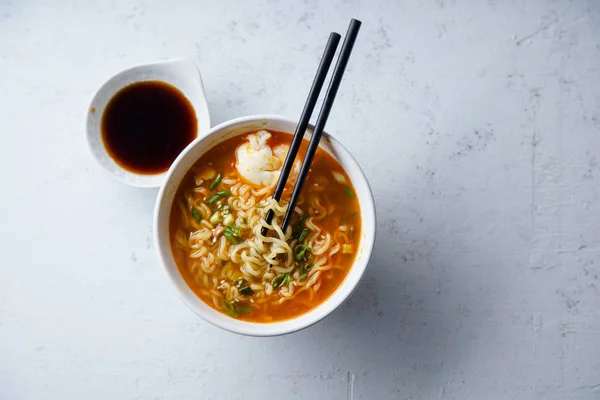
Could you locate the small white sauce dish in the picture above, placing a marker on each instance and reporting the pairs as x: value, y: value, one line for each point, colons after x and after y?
x: 182, y: 74
x: 186, y: 160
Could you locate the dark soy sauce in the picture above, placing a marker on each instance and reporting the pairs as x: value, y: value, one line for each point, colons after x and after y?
x: 146, y: 125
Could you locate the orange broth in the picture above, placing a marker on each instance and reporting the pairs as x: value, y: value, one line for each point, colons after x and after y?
x: 346, y: 212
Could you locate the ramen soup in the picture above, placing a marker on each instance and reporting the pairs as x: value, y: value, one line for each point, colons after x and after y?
x: 218, y: 214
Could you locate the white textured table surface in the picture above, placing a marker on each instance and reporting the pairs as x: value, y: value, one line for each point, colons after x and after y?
x: 477, y: 123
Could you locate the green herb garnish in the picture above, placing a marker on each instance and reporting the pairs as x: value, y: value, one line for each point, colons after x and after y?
x: 235, y: 309
x: 304, y: 268
x: 232, y: 233
x: 349, y: 192
x: 246, y: 291
x: 243, y: 287
x: 302, y: 277
x: 298, y: 228
x: 196, y: 214
x: 218, y: 195
x: 279, y: 280
x: 233, y: 229
x: 245, y: 310
x: 303, y: 236
x: 230, y: 308
x: 302, y: 252
x: 231, y: 237
x: 217, y: 180
x: 240, y: 283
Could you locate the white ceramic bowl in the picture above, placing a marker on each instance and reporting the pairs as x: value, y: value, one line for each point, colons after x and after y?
x: 182, y: 74
x: 163, y: 208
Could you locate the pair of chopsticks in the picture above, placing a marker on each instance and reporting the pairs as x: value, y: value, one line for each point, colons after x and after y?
x: 313, y: 95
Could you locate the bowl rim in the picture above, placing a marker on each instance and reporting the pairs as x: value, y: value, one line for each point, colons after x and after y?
x: 283, y: 327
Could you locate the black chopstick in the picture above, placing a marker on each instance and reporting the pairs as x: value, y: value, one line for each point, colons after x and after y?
x: 309, y: 106
x: 334, y: 85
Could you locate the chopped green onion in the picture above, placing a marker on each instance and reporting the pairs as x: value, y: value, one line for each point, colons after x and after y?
x: 288, y: 278
x: 245, y: 220
x: 216, y: 218
x: 218, y: 195
x: 233, y: 229
x: 301, y: 252
x: 231, y: 237
x: 245, y: 310
x: 302, y: 277
x: 223, y: 207
x: 339, y: 177
x: 246, y: 291
x: 196, y: 214
x: 298, y: 228
x: 306, y: 267
x: 230, y: 308
x: 235, y: 309
x: 216, y: 182
x: 347, y: 249
x: 229, y: 219
x: 303, y: 236
x: 243, y: 287
x: 232, y: 233
x: 240, y: 283
x: 279, y: 280
x: 349, y: 192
